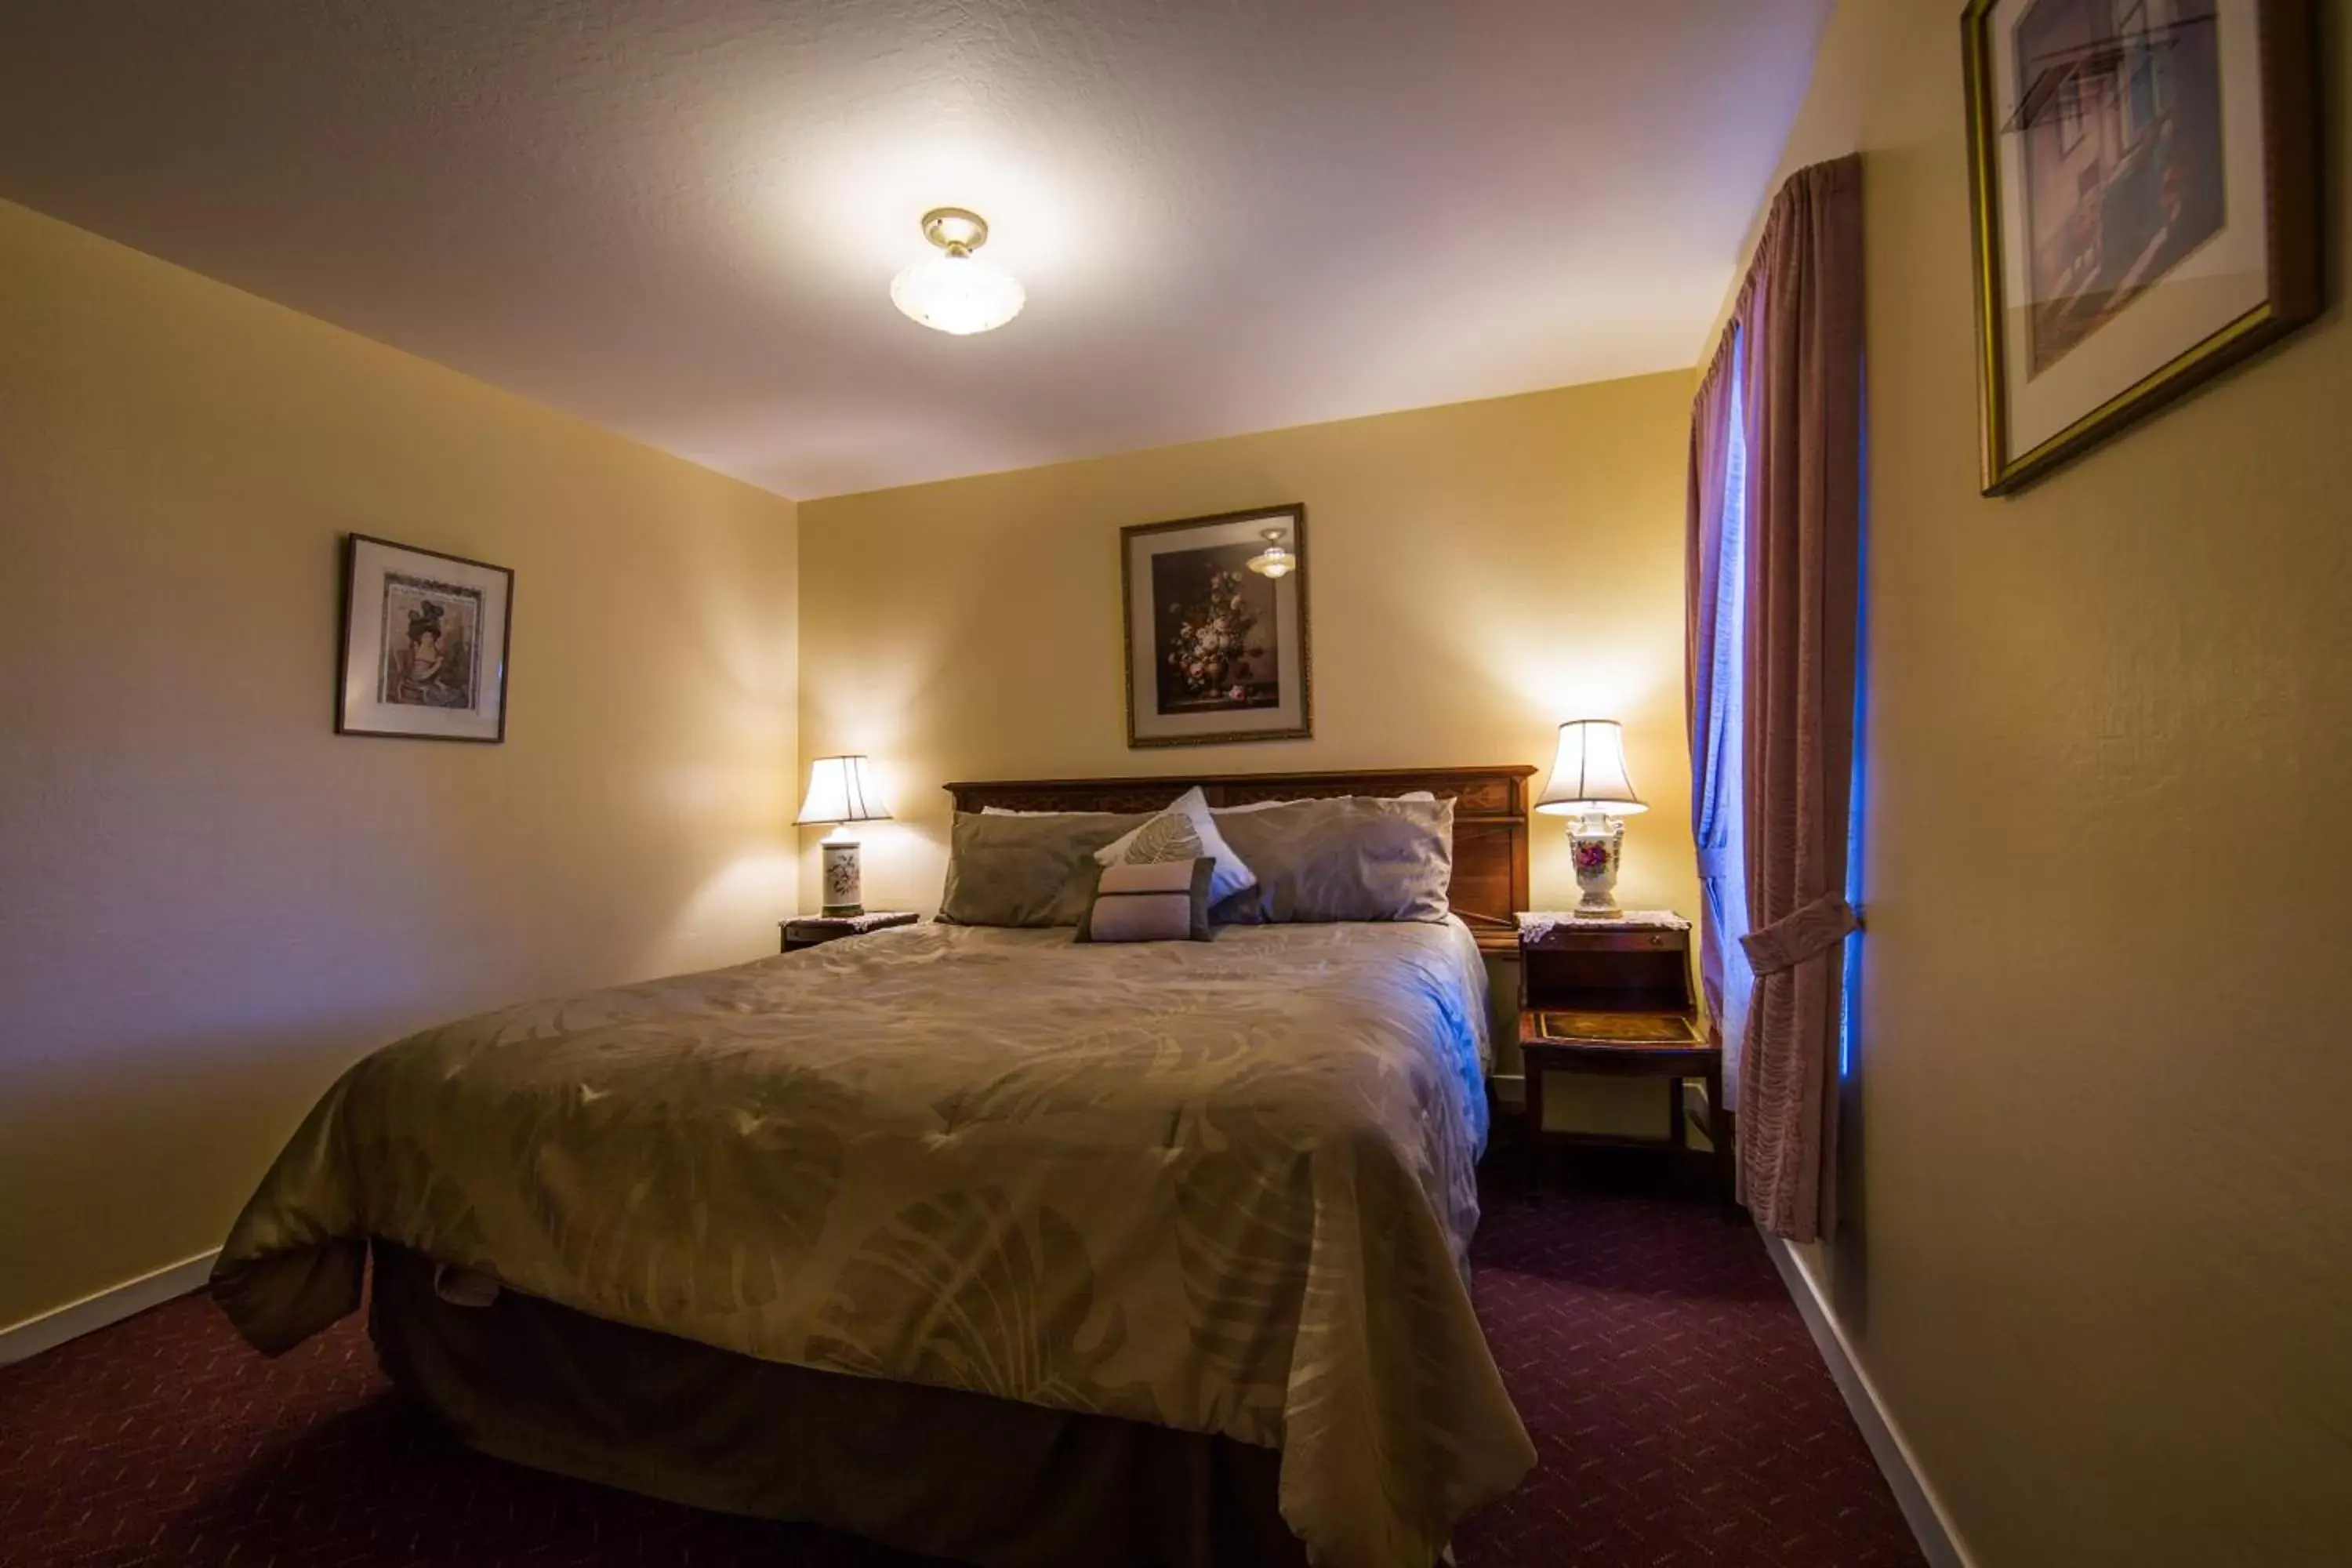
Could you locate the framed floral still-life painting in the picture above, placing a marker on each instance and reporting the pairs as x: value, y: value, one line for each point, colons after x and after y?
x: 1216, y: 628
x: 425, y: 643
x: 2142, y: 179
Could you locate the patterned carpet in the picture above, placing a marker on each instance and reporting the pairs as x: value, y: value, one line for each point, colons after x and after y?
x: 1682, y: 1413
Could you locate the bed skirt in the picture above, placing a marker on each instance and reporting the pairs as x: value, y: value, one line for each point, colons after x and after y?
x: 937, y: 1471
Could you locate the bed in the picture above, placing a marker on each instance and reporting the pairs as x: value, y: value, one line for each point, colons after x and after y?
x: 973, y: 1241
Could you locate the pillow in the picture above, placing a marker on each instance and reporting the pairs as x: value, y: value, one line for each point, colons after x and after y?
x: 1351, y: 858
x: 1149, y: 901
x: 1191, y: 808
x: 1270, y: 805
x: 1025, y: 870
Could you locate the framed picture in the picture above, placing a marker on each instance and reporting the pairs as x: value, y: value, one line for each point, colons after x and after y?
x: 1216, y: 628
x: 2142, y: 175
x: 425, y: 643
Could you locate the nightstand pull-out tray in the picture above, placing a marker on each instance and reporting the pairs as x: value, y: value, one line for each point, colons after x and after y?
x: 1583, y: 1027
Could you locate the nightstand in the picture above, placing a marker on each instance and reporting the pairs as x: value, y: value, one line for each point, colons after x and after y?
x: 1613, y: 996
x: 813, y: 931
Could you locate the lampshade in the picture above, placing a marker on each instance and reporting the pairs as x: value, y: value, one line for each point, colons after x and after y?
x: 1589, y: 772
x: 841, y: 789
x: 959, y: 294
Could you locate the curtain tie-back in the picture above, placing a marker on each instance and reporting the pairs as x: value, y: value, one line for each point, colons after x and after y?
x: 1805, y: 932
x: 1715, y: 863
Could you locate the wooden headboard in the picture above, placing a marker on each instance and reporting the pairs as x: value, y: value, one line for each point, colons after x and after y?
x: 1490, y: 819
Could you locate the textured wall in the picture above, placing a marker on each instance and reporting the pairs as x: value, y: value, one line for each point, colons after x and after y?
x: 210, y: 903
x: 1476, y: 573
x: 2103, y: 1269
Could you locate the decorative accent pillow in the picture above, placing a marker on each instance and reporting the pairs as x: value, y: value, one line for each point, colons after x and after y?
x: 1353, y: 857
x: 1169, y: 836
x: 1191, y: 808
x: 1155, y: 901
x: 1025, y: 870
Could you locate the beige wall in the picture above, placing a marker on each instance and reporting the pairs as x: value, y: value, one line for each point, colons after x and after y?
x: 2103, y: 1270
x: 1477, y: 573
x: 209, y: 904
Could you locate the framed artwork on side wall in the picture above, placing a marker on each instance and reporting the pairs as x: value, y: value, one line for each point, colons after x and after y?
x: 1216, y: 628
x: 2143, y: 177
x: 425, y: 643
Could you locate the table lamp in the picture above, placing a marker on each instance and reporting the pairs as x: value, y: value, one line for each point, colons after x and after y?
x: 1589, y: 783
x: 841, y: 791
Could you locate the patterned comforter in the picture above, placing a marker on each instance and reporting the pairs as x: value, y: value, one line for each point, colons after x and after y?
x: 1225, y: 1187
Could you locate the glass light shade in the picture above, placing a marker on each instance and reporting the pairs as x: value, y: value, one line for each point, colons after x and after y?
x: 1588, y: 772
x: 959, y: 294
x: 841, y: 789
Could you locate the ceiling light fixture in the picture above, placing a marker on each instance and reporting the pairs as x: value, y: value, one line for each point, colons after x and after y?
x: 957, y: 292
x: 1274, y: 561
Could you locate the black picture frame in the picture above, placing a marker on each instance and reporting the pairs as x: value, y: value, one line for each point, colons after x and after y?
x: 455, y: 601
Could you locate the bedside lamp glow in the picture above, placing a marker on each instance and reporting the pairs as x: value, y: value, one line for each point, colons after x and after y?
x: 1589, y: 781
x: 841, y: 791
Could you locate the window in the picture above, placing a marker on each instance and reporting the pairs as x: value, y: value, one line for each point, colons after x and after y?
x: 1726, y: 853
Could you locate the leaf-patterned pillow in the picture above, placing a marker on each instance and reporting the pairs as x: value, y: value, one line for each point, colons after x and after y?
x: 1169, y: 836
x: 1232, y: 873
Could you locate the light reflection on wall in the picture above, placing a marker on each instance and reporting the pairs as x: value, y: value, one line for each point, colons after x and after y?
x: 1477, y: 573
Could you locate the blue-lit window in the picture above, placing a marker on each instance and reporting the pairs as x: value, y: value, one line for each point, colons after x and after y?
x: 1728, y: 735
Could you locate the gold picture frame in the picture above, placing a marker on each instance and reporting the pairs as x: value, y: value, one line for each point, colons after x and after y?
x: 1216, y: 653
x: 2144, y: 203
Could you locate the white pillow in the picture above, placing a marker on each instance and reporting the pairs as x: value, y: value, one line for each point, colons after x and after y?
x: 1270, y: 805
x: 1233, y: 875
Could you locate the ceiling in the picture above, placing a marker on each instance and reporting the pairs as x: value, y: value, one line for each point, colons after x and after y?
x: 680, y: 220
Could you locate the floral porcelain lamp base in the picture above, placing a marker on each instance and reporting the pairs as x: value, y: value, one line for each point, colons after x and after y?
x: 842, y: 893
x: 1596, y: 842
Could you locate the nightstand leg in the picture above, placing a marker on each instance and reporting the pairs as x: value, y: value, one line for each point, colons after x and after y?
x: 1532, y: 1122
x: 1718, y: 1132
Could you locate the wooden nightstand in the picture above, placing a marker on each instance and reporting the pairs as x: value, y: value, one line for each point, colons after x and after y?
x: 1614, y: 996
x: 813, y: 931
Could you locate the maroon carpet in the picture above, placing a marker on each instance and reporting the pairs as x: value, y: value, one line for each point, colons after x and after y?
x: 1681, y: 1415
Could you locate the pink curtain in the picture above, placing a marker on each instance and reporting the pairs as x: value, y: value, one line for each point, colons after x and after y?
x: 1799, y: 334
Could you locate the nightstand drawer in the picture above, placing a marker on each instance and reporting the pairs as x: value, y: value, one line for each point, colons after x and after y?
x: 1570, y: 941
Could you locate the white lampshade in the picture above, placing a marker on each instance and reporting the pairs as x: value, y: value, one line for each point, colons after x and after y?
x: 959, y: 294
x: 1588, y: 773
x: 841, y: 789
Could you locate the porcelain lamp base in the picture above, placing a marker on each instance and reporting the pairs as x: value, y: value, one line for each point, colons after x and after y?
x: 1595, y: 843
x: 842, y: 890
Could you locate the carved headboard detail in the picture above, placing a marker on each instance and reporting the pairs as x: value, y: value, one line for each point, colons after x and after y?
x: 1489, y: 886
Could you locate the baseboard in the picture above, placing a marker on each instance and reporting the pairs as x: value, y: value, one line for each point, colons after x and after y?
x: 1921, y: 1508
x: 75, y: 1319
